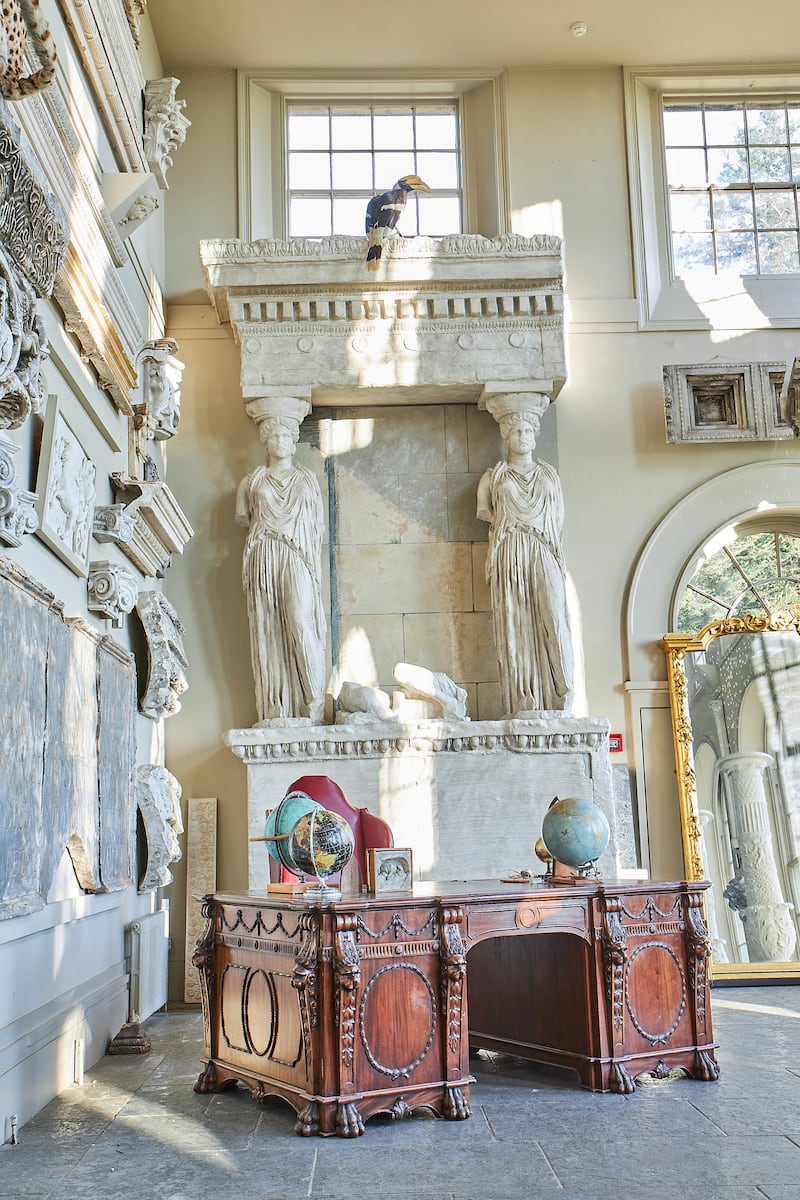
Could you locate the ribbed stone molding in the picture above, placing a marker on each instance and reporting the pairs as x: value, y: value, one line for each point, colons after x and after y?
x: 444, y: 317
x: 756, y: 893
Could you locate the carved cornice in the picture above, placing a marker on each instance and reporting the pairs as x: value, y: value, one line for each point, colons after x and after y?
x: 386, y: 739
x: 161, y: 528
x: 166, y: 678
x: 103, y: 37
x: 332, y: 249
x: 18, y: 514
x: 165, y: 125
x: 112, y: 590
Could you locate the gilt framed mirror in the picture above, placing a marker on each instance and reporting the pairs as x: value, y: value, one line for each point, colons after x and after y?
x: 735, y: 700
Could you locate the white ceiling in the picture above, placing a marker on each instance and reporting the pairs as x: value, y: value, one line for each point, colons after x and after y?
x: 490, y: 34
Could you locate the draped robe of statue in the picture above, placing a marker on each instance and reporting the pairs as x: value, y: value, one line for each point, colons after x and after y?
x: 281, y: 574
x: 525, y: 573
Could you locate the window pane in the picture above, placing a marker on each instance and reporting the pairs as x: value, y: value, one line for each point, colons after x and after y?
x: 394, y: 131
x: 728, y: 165
x: 769, y: 165
x: 309, y: 217
x: 348, y: 214
x: 767, y: 124
x: 778, y: 253
x: 307, y: 171
x: 686, y: 168
x: 690, y: 210
x: 733, y: 210
x: 351, y: 131
x: 794, y: 122
x: 438, y: 170
x: 725, y: 125
x: 437, y: 131
x: 391, y: 167
x: 439, y: 215
x: 693, y: 252
x: 789, y: 554
x: 352, y: 171
x: 796, y: 162
x: 407, y: 224
x: 683, y: 126
x: 775, y: 210
x: 736, y: 252
x: 308, y: 131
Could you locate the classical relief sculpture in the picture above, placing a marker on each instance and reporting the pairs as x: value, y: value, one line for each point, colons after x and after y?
x: 165, y: 125
x: 522, y: 501
x: 162, y: 373
x: 418, y: 683
x: 281, y: 571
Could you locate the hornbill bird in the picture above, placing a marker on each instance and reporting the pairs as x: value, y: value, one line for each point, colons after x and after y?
x: 383, y: 213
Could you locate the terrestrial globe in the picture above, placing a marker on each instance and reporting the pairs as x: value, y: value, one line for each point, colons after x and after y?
x: 280, y: 823
x: 575, y: 832
x: 322, y: 843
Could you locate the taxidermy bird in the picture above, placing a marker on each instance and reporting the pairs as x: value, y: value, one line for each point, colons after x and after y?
x: 383, y: 213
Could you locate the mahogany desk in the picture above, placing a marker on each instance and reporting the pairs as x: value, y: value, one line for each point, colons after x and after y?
x: 360, y: 1006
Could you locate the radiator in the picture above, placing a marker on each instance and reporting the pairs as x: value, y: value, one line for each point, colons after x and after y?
x: 148, y: 952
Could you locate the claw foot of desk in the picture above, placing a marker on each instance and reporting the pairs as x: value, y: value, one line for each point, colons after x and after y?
x: 706, y: 1066
x: 307, y: 1123
x: 620, y: 1079
x: 456, y: 1106
x: 348, y: 1120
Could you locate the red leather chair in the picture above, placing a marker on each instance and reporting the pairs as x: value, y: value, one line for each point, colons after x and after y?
x: 370, y: 832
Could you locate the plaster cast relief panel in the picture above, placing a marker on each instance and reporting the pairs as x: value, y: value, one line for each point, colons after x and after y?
x: 18, y: 514
x: 23, y: 28
x: 166, y: 679
x: 725, y: 402
x: 66, y: 487
x: 158, y: 417
x: 165, y: 125
x: 113, y: 589
x: 201, y: 880
x: 158, y: 795
x: 67, y: 708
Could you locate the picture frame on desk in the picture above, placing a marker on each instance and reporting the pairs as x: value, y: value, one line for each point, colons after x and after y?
x: 390, y: 869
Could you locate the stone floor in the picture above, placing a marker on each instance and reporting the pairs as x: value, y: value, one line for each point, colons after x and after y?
x: 136, y: 1129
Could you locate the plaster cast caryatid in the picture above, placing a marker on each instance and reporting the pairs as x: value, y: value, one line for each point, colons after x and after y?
x: 161, y: 373
x: 282, y: 568
x: 158, y: 795
x: 522, y: 501
x: 165, y: 125
x: 756, y: 892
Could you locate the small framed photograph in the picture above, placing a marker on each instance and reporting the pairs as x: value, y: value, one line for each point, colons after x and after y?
x: 390, y: 870
x: 65, y: 485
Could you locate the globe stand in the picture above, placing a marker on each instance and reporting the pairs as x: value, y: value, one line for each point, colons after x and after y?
x: 560, y: 873
x: 322, y: 891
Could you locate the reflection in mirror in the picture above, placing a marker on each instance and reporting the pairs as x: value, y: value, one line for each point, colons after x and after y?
x: 735, y: 699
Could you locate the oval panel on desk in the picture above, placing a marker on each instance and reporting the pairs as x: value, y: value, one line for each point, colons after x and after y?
x: 655, y: 991
x: 231, y: 1006
x: 259, y: 1010
x: 397, y: 1019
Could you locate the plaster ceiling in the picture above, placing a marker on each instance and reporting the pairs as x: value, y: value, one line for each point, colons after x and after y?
x: 446, y: 34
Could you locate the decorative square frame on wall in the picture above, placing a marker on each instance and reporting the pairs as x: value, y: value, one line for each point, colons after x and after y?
x: 65, y: 484
x: 390, y: 869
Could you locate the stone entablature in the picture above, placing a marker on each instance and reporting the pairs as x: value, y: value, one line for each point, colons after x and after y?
x: 160, y: 528
x: 446, y: 314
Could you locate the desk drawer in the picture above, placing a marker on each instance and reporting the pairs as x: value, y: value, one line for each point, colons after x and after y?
x: 527, y: 916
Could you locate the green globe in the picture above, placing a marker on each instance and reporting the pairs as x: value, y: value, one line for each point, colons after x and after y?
x: 575, y: 832
x: 280, y: 822
x: 321, y: 843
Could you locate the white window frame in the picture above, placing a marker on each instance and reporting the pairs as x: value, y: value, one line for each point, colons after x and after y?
x: 262, y: 101
x: 716, y: 301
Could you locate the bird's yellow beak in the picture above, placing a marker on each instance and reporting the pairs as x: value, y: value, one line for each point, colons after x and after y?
x: 414, y: 181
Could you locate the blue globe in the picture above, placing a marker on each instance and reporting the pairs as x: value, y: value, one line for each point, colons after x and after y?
x: 280, y: 822
x: 575, y: 832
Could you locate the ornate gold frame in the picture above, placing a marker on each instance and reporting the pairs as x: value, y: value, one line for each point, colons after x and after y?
x: 676, y: 646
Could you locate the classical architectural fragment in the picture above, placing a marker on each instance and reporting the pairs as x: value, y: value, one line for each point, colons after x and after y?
x: 522, y: 501
x: 166, y: 678
x: 113, y: 523
x: 730, y: 402
x: 113, y: 589
x: 418, y: 683
x: 18, y: 514
x: 66, y: 485
x: 165, y: 125
x: 158, y: 417
x: 453, y: 313
x: 34, y: 240
x: 790, y: 397
x: 134, y: 11
x: 158, y: 795
x: 281, y: 505
x: 22, y: 28
x: 160, y: 525
x: 201, y: 880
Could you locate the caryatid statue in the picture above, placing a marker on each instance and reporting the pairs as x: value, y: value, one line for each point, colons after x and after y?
x: 281, y: 503
x: 522, y: 501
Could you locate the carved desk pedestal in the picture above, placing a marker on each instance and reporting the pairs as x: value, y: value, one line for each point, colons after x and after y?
x: 359, y: 1006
